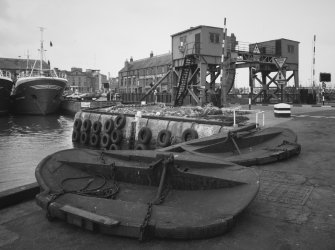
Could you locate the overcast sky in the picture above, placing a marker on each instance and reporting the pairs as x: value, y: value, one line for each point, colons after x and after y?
x: 102, y: 34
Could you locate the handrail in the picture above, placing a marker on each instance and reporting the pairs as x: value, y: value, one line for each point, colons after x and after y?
x: 5, y: 73
x: 44, y: 73
x: 257, y: 113
x: 189, y: 48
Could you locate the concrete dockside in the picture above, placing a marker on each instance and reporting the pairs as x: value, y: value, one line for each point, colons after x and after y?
x: 294, y: 209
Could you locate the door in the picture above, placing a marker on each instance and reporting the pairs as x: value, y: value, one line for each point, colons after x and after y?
x: 197, y: 43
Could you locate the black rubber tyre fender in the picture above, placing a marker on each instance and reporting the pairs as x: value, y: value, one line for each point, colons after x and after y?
x: 96, y: 127
x: 189, y: 134
x: 77, y: 124
x: 116, y: 136
x: 164, y: 138
x: 144, y: 135
x: 94, y: 140
x: 114, y: 147
x: 120, y: 121
x: 87, y: 125
x: 75, y: 135
x: 84, y: 137
x: 109, y: 126
x: 141, y: 146
x: 105, y: 140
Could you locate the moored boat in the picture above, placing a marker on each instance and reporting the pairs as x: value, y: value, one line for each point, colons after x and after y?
x: 247, y: 146
x: 144, y: 194
x: 39, y: 91
x: 6, y: 84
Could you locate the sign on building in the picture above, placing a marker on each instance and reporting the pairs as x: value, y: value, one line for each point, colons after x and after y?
x: 280, y: 78
x: 256, y: 49
x: 280, y: 61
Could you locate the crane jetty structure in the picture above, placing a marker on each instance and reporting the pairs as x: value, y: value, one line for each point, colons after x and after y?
x: 203, y: 53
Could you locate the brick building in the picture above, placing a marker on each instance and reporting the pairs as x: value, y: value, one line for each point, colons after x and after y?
x: 138, y: 76
x: 17, y: 65
x: 88, y: 81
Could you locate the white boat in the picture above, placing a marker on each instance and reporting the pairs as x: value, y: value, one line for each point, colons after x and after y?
x: 38, y: 91
x: 6, y: 84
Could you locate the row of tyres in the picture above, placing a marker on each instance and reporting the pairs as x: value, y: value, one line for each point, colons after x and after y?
x: 108, y: 135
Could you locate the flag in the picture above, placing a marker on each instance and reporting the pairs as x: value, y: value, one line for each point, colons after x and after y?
x: 50, y: 44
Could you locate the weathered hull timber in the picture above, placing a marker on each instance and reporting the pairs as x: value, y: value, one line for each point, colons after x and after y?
x: 248, y: 147
x: 144, y: 194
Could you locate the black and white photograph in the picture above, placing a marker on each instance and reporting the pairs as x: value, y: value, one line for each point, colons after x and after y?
x: 167, y: 124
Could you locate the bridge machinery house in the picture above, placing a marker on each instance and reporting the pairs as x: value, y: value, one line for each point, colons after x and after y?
x: 196, y: 57
x: 138, y: 76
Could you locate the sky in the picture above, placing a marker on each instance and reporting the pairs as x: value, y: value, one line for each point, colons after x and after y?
x: 102, y: 34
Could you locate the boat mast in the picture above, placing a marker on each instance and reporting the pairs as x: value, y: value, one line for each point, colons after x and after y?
x: 41, y: 49
x: 27, y: 60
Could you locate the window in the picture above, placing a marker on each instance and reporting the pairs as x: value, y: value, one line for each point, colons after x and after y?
x: 214, y: 37
x: 182, y: 40
x: 290, y: 49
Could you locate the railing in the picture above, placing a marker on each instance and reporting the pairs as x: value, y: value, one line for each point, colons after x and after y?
x: 257, y: 114
x: 249, y: 47
x: 5, y: 73
x: 190, y: 48
x: 136, y: 97
x: 38, y: 73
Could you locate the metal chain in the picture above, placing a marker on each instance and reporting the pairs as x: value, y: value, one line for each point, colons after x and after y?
x: 143, y: 228
x: 157, y: 201
x: 101, y: 157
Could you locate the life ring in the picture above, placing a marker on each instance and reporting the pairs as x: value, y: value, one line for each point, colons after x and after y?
x: 141, y: 146
x: 164, y: 138
x: 120, y: 121
x: 77, y: 124
x: 105, y: 140
x: 96, y: 127
x: 84, y: 137
x: 189, y: 134
x: 144, y: 135
x: 109, y: 126
x: 114, y: 147
x: 75, y: 135
x: 87, y: 125
x: 94, y: 140
x: 116, y: 136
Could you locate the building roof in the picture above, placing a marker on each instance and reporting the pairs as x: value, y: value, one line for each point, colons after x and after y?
x: 20, y: 64
x: 159, y: 60
x: 277, y: 40
x: 194, y: 28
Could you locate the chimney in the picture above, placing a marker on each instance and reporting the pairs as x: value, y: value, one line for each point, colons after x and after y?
x: 131, y: 59
x: 151, y: 54
x: 126, y: 63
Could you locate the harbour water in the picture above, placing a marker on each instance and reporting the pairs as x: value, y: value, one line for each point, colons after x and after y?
x: 25, y: 141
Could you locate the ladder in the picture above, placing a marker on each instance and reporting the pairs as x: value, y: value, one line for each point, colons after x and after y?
x: 182, y: 89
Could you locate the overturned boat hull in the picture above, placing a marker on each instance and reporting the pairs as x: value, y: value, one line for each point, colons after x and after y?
x: 247, y: 146
x: 144, y: 194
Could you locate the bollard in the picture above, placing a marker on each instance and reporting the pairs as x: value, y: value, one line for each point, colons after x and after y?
x: 282, y: 110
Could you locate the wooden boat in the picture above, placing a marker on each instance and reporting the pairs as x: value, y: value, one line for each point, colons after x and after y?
x: 144, y: 194
x: 244, y: 146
